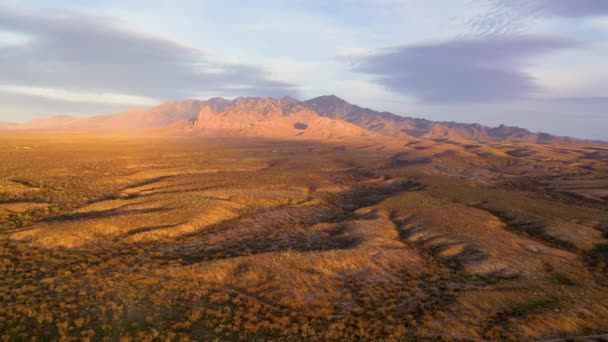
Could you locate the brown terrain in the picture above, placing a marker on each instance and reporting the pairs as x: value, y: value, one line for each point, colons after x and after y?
x: 274, y: 219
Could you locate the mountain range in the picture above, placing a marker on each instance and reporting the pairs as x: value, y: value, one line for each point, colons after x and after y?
x: 324, y: 117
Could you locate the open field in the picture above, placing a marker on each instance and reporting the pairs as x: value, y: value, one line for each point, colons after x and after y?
x: 145, y: 238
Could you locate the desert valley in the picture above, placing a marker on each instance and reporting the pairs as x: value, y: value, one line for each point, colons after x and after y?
x: 275, y: 219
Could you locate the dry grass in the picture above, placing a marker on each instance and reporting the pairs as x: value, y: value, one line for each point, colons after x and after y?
x: 142, y: 238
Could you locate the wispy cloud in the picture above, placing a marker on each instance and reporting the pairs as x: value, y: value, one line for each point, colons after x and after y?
x: 509, y: 16
x: 558, y: 8
x: 65, y: 51
x: 79, y: 97
x: 463, y: 70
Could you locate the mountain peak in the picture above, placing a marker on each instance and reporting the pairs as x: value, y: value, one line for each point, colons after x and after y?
x: 330, y: 106
x: 289, y: 99
x: 329, y: 99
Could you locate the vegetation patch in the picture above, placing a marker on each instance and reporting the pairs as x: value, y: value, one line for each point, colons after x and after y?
x: 141, y: 238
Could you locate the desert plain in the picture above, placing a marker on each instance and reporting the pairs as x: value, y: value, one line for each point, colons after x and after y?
x: 184, y: 237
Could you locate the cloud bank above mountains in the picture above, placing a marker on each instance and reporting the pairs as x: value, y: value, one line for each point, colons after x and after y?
x: 65, y: 51
x: 464, y: 70
x: 486, y: 61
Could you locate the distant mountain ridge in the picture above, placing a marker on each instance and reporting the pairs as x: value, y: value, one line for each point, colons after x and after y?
x: 322, y: 117
x: 399, y: 126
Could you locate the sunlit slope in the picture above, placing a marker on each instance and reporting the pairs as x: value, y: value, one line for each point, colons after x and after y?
x: 280, y: 239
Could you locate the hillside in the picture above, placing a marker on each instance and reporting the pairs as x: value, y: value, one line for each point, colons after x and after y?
x: 273, y: 118
x: 190, y: 237
x: 246, y: 117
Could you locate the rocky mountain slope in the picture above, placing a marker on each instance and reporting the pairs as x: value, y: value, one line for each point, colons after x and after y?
x: 272, y: 118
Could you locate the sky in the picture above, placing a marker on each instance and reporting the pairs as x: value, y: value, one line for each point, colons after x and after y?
x: 538, y: 64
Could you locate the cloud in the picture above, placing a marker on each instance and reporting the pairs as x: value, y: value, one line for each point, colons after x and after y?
x: 62, y: 95
x: 508, y: 16
x: 558, y: 8
x: 471, y: 70
x: 73, y: 52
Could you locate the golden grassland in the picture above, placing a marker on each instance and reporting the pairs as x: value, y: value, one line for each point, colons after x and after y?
x: 157, y: 238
